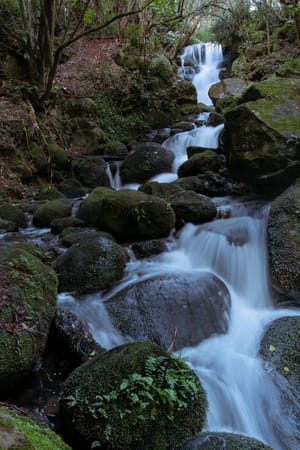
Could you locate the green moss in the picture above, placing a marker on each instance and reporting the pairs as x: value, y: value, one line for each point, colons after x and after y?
x: 59, y: 158
x: 25, y: 434
x: 99, y: 407
x: 218, y: 441
x: 55, y: 209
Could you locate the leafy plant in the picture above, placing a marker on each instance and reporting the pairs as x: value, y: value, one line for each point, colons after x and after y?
x: 165, y: 383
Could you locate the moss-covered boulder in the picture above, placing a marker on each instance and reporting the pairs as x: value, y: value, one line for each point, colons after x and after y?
x: 58, y: 225
x: 79, y: 106
x: 280, y: 350
x: 54, y: 209
x: 284, y: 243
x: 21, y: 433
x: 59, y: 158
x: 91, y: 171
x: 228, y: 441
x: 200, y: 163
x: 192, y: 207
x: 228, y: 87
x: 148, y: 248
x: 90, y: 265
x: 184, y: 93
x: 28, y: 300
x: 280, y: 347
x: 197, y: 305
x: 134, y: 396
x: 72, y: 235
x: 161, y: 67
x: 163, y: 190
x: 127, y: 214
x: 71, y: 188
x: 11, y: 213
x: 39, y: 160
x: 261, y: 135
x: 144, y: 161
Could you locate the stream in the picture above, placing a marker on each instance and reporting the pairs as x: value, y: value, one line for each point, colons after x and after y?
x: 241, y: 394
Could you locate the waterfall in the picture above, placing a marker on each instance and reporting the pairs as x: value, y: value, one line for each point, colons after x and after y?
x: 241, y: 395
x: 201, y: 63
x: 114, y: 179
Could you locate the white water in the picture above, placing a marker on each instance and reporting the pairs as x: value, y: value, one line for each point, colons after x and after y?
x: 241, y: 394
x: 206, y: 59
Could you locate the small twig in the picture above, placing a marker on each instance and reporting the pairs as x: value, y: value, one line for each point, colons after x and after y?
x: 170, y: 348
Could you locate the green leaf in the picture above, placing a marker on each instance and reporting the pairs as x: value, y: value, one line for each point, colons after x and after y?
x: 95, y: 444
x: 272, y: 348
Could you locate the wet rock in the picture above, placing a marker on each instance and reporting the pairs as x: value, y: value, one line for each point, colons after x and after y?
x: 73, y: 235
x: 284, y: 242
x: 58, y: 225
x: 28, y: 300
x: 142, y: 374
x: 54, y: 209
x: 161, y: 67
x: 180, y: 127
x: 200, y: 163
x: 144, y: 161
x: 91, y: 171
x: 214, y: 120
x: 127, y: 214
x: 197, y: 305
x: 281, y: 351
x: 114, y: 150
x: 90, y: 265
x: 192, y: 207
x: 229, y: 441
x: 148, y: 248
x: 7, y: 226
x: 213, y: 184
x: 184, y: 93
x: 162, y: 190
x: 73, y: 338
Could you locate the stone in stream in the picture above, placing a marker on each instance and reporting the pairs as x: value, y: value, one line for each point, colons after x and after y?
x: 144, y: 161
x: 197, y: 305
x: 135, y: 396
x: 200, y: 163
x: 127, y: 214
x: 193, y: 208
x: 220, y: 441
x: 54, y: 209
x: 89, y: 265
x: 12, y: 217
x: 280, y: 349
x: 283, y: 231
x: 91, y: 171
x: 28, y: 301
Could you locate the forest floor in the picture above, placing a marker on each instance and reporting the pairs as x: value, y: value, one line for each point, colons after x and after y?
x: 84, y: 62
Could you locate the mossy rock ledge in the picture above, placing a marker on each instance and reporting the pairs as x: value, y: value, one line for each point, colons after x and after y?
x: 228, y: 441
x: 21, y: 433
x: 134, y: 396
x: 127, y: 214
x: 28, y: 301
x: 283, y: 231
x: 261, y: 135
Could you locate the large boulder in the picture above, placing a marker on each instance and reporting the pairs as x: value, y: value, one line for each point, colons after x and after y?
x: 19, y: 432
x: 290, y: 68
x: 284, y: 243
x: 192, y: 207
x: 163, y: 190
x: 161, y: 67
x: 91, y: 171
x: 90, y: 265
x: 135, y: 396
x: 127, y: 214
x: 28, y: 300
x: 197, y: 305
x: 144, y: 161
x: 200, y: 163
x: 228, y: 441
x: 261, y: 135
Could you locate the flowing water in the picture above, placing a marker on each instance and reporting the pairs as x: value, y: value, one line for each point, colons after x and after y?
x: 241, y: 394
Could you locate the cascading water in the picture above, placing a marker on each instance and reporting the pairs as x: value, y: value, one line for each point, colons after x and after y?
x: 201, y: 63
x: 241, y: 394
